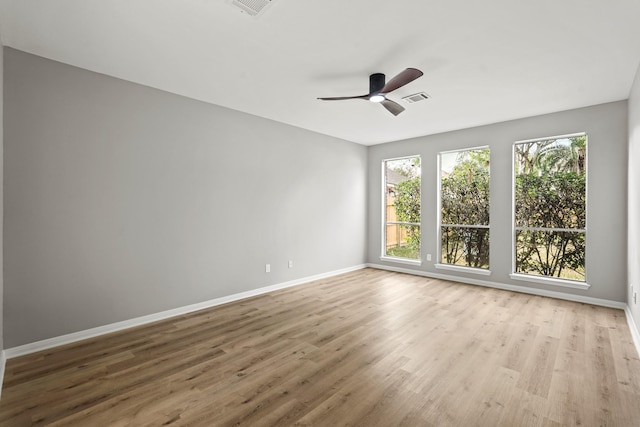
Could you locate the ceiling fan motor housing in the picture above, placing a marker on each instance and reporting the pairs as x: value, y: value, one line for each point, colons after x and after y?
x: 376, y: 82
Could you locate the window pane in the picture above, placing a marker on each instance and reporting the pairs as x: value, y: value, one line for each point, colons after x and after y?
x: 555, y: 200
x: 403, y: 241
x: 402, y: 208
x: 551, y: 253
x: 464, y: 191
x: 468, y: 247
x: 550, y: 183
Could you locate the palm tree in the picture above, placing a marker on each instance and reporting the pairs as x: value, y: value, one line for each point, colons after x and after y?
x: 579, y: 153
x: 551, y: 156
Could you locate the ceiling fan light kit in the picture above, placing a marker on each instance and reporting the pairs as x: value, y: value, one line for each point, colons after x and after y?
x: 378, y: 89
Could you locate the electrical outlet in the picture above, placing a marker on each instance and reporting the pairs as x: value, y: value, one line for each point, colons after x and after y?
x: 428, y: 257
x: 267, y: 268
x: 635, y: 297
x: 290, y: 264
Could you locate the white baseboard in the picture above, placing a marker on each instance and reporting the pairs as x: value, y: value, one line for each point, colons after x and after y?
x: 504, y: 286
x: 138, y: 321
x: 3, y: 362
x: 633, y: 328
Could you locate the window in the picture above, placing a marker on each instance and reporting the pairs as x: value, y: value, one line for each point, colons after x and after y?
x: 402, y: 208
x: 464, y: 208
x: 550, y: 178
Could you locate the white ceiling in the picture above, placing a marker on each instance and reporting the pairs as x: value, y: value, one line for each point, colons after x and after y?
x: 483, y: 61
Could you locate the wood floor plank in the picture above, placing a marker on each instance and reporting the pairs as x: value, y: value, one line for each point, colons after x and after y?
x: 367, y: 348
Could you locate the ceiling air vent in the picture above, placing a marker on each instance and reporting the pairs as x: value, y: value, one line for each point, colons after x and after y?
x: 251, y: 7
x: 416, y: 97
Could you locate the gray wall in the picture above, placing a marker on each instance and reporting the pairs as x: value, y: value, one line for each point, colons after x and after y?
x: 123, y: 200
x: 633, y: 217
x: 606, y: 126
x: 1, y: 197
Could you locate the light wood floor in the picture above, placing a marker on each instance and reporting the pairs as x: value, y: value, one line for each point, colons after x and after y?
x: 369, y: 348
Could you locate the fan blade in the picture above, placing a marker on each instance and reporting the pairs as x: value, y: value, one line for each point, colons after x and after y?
x: 340, y: 98
x: 405, y: 77
x: 393, y: 107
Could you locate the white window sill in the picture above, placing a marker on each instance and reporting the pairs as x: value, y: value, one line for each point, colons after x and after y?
x: 401, y: 260
x: 550, y: 281
x: 463, y: 269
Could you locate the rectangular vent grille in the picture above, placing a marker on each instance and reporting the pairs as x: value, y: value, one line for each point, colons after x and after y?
x: 416, y: 97
x: 251, y: 7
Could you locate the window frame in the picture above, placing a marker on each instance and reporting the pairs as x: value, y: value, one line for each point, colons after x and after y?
x: 453, y: 267
x: 383, y: 253
x: 539, y: 279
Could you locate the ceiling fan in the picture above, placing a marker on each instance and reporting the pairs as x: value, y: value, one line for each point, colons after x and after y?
x: 378, y: 89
